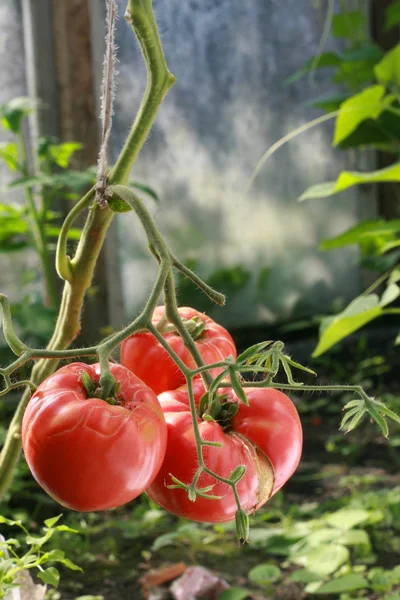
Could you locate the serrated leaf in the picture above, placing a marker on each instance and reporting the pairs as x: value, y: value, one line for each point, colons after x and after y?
x: 51, y: 576
x: 348, y: 179
x: 346, y: 583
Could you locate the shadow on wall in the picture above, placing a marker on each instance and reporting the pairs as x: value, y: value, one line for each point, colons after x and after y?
x: 227, y: 108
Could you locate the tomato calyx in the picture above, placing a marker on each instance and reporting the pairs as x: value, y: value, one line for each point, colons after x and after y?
x: 94, y: 390
x: 220, y: 410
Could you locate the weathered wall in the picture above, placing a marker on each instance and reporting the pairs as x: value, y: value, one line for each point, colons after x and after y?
x: 230, y: 58
x: 12, y: 83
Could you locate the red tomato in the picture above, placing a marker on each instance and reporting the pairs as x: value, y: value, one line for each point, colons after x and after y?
x: 144, y: 355
x: 87, y: 454
x: 266, y: 437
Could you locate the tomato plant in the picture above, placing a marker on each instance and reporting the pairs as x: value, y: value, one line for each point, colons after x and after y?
x: 265, y: 437
x: 86, y: 453
x: 145, y: 356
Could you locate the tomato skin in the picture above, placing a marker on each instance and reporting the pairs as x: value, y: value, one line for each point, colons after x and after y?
x: 144, y: 355
x: 266, y: 437
x: 87, y: 454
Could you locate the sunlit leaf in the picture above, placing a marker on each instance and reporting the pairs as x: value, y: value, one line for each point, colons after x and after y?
x: 387, y: 71
x: 51, y: 576
x: 348, y: 179
x: 362, y: 231
x: 367, y: 104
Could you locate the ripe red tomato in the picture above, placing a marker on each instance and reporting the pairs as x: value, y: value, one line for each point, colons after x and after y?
x: 144, y: 355
x: 265, y: 436
x: 87, y: 454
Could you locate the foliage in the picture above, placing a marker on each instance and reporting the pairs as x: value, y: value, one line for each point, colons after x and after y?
x: 13, y: 562
x: 367, y: 116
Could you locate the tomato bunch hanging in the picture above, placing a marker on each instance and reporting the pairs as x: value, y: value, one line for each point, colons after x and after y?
x: 91, y: 453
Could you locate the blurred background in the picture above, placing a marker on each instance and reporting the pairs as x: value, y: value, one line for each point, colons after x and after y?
x: 316, y: 273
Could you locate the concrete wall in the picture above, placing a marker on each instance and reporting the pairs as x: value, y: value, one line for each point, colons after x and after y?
x: 229, y: 105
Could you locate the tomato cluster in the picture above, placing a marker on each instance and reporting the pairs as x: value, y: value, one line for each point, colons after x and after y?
x: 93, y: 454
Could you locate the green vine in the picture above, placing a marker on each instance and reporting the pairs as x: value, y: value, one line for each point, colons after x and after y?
x: 263, y: 360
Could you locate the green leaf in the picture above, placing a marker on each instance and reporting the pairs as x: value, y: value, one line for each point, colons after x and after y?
x: 234, y: 593
x: 392, y: 15
x: 12, y: 113
x: 50, y: 576
x: 324, y: 60
x: 324, y: 560
x: 387, y: 71
x: 39, y: 541
x: 329, y: 102
x: 61, y: 154
x: 264, y: 574
x: 348, y: 179
x: 348, y: 24
x: 346, y: 583
x: 145, y: 188
x: 51, y: 522
x: 369, y: 53
x: 368, y: 104
x: 391, y: 293
x: 355, y: 537
x: 305, y: 576
x: 359, y: 233
x: 347, y: 518
x: 358, y: 313
x: 70, y: 565
x: 9, y: 153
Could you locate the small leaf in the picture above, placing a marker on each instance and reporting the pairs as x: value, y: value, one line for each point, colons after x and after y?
x: 237, y: 388
x: 145, y: 188
x: 51, y: 522
x: 379, y: 420
x: 70, y: 565
x: 51, y: 576
x: 264, y: 574
x: 234, y: 593
x: 348, y: 179
x: 346, y: 583
x: 12, y: 113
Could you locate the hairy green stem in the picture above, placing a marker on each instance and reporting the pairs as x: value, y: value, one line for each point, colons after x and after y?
x: 140, y: 13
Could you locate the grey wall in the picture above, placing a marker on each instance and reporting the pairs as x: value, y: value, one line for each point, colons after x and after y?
x: 228, y: 106
x: 12, y: 84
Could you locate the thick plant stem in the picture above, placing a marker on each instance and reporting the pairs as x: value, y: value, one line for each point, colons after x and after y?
x: 140, y: 14
x: 79, y: 271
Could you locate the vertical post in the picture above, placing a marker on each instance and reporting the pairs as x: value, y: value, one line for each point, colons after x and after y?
x: 61, y: 67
